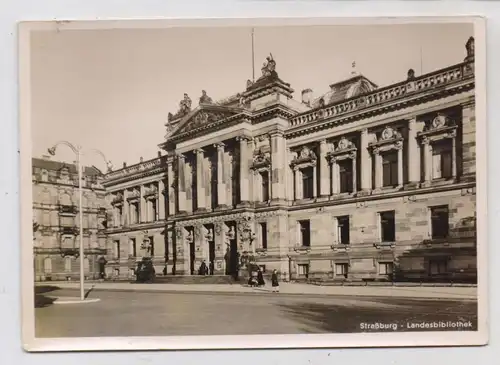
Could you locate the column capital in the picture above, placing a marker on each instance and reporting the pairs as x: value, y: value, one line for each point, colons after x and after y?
x: 199, y: 151
x: 243, y: 138
x: 276, y: 133
x: 220, y: 145
x: 181, y: 156
x: 322, y: 142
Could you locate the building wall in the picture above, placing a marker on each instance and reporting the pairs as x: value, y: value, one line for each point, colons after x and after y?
x: 216, y: 185
x: 55, y: 212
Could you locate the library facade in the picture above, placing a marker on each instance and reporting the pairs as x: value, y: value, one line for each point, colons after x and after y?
x: 361, y: 183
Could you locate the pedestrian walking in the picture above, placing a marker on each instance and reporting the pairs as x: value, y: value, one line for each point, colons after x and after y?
x: 274, y: 281
x: 260, y: 278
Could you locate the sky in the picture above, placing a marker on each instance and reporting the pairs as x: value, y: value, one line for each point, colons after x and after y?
x: 113, y: 89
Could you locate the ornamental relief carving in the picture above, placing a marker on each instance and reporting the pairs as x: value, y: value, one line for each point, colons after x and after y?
x: 304, y: 157
x: 261, y: 159
x: 389, y: 139
x: 440, y: 127
x: 345, y: 149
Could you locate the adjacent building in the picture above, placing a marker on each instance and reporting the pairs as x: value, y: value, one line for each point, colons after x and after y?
x: 56, y: 217
x: 361, y: 183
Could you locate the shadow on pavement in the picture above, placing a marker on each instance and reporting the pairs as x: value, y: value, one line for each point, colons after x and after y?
x: 41, y: 300
x: 318, y: 317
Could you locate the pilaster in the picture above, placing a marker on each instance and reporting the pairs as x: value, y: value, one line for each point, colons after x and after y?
x: 366, y: 162
x: 162, y: 199
x: 244, y: 170
x: 200, y: 181
x: 170, y: 191
x: 277, y: 166
x: 323, y: 169
x: 181, y: 185
x: 414, y: 154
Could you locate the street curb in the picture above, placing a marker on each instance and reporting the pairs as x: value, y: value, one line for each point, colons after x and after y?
x: 236, y: 293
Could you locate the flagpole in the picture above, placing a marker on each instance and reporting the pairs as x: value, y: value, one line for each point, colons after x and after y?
x: 253, y: 57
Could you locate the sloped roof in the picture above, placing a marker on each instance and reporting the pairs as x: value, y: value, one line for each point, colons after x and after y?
x: 51, y: 165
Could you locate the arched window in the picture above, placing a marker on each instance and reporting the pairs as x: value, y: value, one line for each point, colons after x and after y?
x: 47, y: 265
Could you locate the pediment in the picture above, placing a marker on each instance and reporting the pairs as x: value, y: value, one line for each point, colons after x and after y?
x: 202, y: 118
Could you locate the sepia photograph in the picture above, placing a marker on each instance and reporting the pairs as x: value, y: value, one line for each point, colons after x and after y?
x: 253, y: 183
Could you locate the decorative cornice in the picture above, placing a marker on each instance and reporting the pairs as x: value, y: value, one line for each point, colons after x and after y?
x: 393, y: 97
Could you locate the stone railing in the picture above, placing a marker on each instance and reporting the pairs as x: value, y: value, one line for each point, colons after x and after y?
x: 393, y: 92
x: 140, y: 167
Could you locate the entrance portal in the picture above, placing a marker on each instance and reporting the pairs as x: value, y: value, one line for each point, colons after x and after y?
x: 192, y: 258
x: 233, y: 259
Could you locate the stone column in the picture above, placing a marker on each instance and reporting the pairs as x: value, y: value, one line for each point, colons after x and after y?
x: 366, y: 162
x: 221, y: 185
x: 181, y: 185
x: 454, y: 155
x: 413, y: 153
x: 244, y: 170
x: 277, y: 166
x: 378, y: 168
x: 334, y: 171
x: 142, y: 216
x: 324, y: 190
x: 427, y: 160
x: 298, y: 191
x: 251, y: 175
x: 200, y: 181
x: 354, y: 173
x: 125, y: 208
x: 162, y: 194
x: 315, y: 181
x: 220, y: 248
x: 400, y: 164
x: 289, y: 177
x: 170, y: 188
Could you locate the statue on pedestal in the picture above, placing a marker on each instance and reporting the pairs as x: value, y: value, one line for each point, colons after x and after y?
x: 269, y: 66
x: 205, y: 99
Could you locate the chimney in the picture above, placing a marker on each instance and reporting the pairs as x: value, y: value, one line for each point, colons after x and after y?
x: 124, y: 164
x: 159, y: 153
x: 306, y: 96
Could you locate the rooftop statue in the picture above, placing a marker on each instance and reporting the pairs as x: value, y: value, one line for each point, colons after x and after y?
x: 205, y: 99
x: 269, y: 66
x: 184, y: 108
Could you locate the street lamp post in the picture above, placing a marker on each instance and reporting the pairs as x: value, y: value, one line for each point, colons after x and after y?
x: 78, y: 152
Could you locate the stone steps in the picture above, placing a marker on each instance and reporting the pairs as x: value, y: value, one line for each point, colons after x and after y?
x: 194, y: 279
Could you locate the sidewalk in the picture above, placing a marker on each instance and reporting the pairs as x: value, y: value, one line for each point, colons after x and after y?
x: 443, y: 293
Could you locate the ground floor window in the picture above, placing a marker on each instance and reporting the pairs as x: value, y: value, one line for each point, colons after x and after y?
x: 341, y: 270
x: 385, y: 268
x: 303, y: 270
x: 438, y: 267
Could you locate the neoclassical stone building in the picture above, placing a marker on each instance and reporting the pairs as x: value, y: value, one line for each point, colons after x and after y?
x: 56, y: 217
x: 361, y: 183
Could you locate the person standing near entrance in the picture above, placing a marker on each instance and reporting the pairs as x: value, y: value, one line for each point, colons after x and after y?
x: 274, y: 281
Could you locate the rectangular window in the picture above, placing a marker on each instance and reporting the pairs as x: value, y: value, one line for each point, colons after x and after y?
x: 439, y: 222
x: 264, y: 175
x: 134, y: 213
x: 67, y: 264
x: 438, y: 267
x: 303, y: 270
x: 116, y: 249
x: 343, y: 230
x: 133, y: 247
x: 152, y: 245
x: 385, y: 268
x: 263, y: 235
x: 388, y: 226
x: 305, y: 233
x: 390, y: 168
x: 307, y: 183
x: 153, y: 216
x: 345, y: 175
x: 442, y: 159
x: 341, y: 270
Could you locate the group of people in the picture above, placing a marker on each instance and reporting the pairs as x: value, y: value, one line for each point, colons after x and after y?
x: 206, y: 270
x: 258, y: 280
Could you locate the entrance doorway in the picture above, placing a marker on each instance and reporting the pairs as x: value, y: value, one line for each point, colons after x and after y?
x: 232, y: 266
x: 192, y: 258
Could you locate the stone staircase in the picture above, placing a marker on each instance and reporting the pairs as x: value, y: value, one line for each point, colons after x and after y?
x: 194, y: 279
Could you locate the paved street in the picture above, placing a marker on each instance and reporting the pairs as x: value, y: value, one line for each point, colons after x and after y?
x: 161, y: 314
